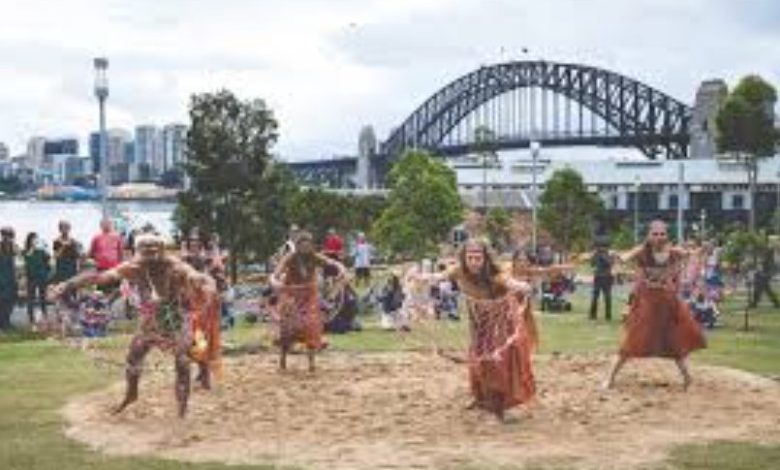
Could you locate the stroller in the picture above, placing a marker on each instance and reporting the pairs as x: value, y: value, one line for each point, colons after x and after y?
x: 554, y: 293
x: 94, y: 321
x: 445, y: 296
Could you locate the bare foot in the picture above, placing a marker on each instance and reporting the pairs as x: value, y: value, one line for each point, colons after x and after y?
x: 473, y: 404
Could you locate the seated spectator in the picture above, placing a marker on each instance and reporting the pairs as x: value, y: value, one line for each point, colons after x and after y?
x: 704, y: 310
x: 392, y: 299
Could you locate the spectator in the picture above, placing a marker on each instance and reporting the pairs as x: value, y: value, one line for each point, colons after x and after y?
x: 8, y: 285
x: 106, y: 247
x: 762, y: 280
x: 36, y: 270
x: 703, y: 310
x: 67, y: 253
x: 362, y: 260
x: 333, y: 247
x: 392, y: 298
x: 602, y: 262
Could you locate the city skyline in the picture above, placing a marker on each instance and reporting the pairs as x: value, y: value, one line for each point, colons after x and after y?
x: 364, y: 62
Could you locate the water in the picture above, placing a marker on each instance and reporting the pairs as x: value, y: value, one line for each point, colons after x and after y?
x: 42, y: 217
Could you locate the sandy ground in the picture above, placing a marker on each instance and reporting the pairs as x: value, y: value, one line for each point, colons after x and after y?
x: 405, y: 411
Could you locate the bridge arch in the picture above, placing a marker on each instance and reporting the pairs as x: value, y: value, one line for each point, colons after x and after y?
x: 632, y: 113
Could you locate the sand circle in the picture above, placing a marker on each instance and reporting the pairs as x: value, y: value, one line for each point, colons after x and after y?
x: 406, y: 410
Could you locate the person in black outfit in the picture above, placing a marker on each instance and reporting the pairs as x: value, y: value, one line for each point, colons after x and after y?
x: 762, y: 280
x: 602, y: 280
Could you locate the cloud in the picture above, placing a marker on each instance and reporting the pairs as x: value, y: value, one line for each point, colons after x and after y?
x: 327, y: 67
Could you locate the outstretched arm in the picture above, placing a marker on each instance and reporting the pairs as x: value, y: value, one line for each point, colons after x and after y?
x: 93, y: 278
x: 281, y: 266
x: 516, y: 285
x: 342, y: 270
x: 631, y: 254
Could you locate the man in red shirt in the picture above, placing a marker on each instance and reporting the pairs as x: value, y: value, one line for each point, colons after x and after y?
x: 333, y: 248
x: 106, y: 247
x: 333, y: 245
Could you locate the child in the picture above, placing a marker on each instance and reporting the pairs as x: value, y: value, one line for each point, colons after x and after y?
x: 392, y: 298
x: 703, y: 310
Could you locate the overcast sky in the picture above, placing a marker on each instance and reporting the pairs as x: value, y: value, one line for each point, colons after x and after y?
x: 327, y: 67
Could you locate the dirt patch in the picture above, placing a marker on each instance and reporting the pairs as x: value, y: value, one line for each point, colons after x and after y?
x: 369, y: 411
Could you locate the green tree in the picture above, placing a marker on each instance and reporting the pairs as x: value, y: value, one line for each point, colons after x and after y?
x: 423, y: 207
x: 498, y: 224
x: 236, y: 191
x: 745, y: 128
x: 567, y: 209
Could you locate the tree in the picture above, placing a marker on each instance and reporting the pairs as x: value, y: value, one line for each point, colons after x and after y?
x: 498, y: 225
x: 237, y: 192
x: 567, y: 209
x: 423, y: 207
x: 745, y: 128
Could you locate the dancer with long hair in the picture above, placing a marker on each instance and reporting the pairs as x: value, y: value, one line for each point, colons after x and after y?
x: 499, y: 355
x: 659, y: 323
x: 299, y: 315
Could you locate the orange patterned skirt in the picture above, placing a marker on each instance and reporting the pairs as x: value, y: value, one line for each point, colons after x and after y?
x: 660, y: 325
x: 500, y: 370
x: 298, y: 316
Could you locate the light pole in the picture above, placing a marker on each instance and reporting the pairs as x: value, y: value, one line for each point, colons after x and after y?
x: 703, y: 220
x: 680, y: 190
x: 636, y: 209
x: 777, y: 206
x: 535, y: 147
x: 101, y: 93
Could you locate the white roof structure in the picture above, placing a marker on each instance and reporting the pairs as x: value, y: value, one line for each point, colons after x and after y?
x: 517, y: 172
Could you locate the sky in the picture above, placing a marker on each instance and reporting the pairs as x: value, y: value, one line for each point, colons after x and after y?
x: 329, y: 67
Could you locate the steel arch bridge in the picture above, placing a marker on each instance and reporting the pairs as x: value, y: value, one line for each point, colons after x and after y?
x: 556, y: 104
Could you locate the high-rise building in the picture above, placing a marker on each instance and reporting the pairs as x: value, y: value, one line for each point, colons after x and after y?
x: 148, y: 150
x: 68, y: 146
x: 94, y: 151
x: 116, y: 157
x: 35, y: 151
x: 115, y: 149
x: 174, y: 145
x: 4, y: 153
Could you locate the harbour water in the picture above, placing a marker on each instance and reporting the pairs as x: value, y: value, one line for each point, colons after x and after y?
x: 42, y: 217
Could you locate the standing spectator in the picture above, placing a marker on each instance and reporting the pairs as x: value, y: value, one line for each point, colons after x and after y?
x: 106, y: 247
x: 762, y: 280
x: 66, y: 254
x: 362, y: 260
x: 602, y: 262
x: 36, y: 271
x: 333, y: 247
x: 8, y: 285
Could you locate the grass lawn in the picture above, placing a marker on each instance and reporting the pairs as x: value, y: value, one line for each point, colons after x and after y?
x: 37, y: 377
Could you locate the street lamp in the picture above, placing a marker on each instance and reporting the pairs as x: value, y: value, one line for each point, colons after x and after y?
x: 101, y: 93
x: 703, y: 219
x: 777, y: 206
x: 636, y: 209
x: 535, y: 148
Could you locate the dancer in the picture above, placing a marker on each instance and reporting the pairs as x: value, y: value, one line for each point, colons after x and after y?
x: 177, y: 309
x: 499, y: 355
x: 659, y: 323
x: 300, y: 318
